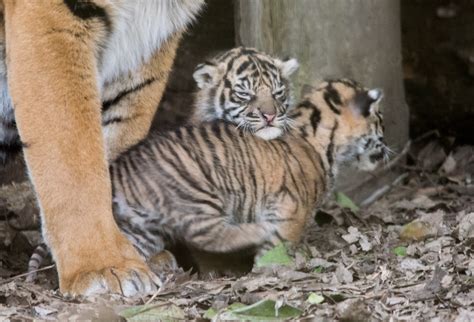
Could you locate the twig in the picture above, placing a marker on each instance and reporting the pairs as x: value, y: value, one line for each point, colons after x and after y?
x: 158, y: 291
x: 426, y: 135
x: 383, y: 190
x: 387, y: 167
x: 26, y: 274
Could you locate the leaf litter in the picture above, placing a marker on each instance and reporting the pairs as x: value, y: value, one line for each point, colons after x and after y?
x: 409, y: 256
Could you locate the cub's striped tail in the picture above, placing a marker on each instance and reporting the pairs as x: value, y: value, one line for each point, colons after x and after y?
x: 39, y: 254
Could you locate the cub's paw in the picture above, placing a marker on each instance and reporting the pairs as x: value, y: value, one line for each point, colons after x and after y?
x: 131, y: 279
x: 163, y: 262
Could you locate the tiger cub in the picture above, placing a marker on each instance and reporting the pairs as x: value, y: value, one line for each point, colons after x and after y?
x: 220, y: 190
x: 248, y: 88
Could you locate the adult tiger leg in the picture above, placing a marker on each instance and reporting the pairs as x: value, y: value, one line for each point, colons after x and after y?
x: 52, y: 81
x: 130, y: 103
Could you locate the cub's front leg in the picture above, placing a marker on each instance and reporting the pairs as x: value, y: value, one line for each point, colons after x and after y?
x: 53, y: 83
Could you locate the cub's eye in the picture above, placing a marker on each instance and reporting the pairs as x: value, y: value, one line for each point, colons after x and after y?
x: 252, y: 114
x: 244, y: 96
x: 279, y: 93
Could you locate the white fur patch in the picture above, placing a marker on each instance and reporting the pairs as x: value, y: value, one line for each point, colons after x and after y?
x: 375, y: 94
x: 141, y: 27
x: 289, y: 67
x: 269, y: 133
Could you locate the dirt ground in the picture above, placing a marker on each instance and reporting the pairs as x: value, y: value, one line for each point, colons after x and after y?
x: 407, y: 256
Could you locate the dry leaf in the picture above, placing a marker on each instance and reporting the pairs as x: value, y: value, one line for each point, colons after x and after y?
x: 343, y: 275
x: 412, y: 264
x: 466, y: 227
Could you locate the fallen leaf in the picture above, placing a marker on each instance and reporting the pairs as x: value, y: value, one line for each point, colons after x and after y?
x: 428, y: 225
x: 353, y: 249
x: 423, y: 202
x: 254, y: 284
x: 210, y: 313
x: 364, y: 243
x: 465, y: 316
x: 353, y: 310
x: 465, y: 299
x: 447, y: 280
x: 431, y: 156
x: 314, y: 298
x: 262, y: 310
x: 44, y: 311
x: 343, y: 275
x: 345, y: 202
x: 395, y: 300
x: 400, y: 251
x: 352, y: 236
x: 275, y: 256
x: 412, y: 264
x: 161, y: 312
x: 449, y: 164
x: 459, y: 164
x: 466, y: 227
x: 320, y: 262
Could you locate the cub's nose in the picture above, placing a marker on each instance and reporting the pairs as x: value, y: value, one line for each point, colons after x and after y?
x: 269, y: 117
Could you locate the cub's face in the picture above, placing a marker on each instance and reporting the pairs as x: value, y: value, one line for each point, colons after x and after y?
x: 248, y: 88
x: 363, y: 122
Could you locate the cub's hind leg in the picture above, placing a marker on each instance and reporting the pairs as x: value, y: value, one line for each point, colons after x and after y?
x: 283, y: 219
x: 288, y: 217
x: 217, y: 233
x: 52, y: 79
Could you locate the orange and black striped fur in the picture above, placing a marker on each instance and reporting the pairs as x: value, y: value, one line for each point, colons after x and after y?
x: 84, y: 79
x: 220, y: 190
x: 248, y: 88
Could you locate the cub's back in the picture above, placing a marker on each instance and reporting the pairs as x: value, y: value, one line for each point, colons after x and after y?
x: 219, y: 159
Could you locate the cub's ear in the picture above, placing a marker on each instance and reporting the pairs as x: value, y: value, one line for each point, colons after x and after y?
x: 367, y: 102
x: 287, y: 67
x: 206, y: 74
x: 376, y: 94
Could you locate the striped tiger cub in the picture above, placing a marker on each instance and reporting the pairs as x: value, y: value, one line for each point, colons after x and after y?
x: 248, y: 88
x: 221, y: 190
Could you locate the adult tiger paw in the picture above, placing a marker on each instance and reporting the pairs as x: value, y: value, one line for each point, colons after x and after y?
x: 109, y: 264
x: 131, y: 278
